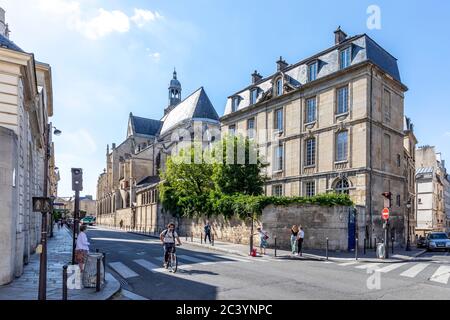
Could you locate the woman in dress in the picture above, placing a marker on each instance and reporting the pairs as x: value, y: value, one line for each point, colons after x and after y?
x: 294, y: 239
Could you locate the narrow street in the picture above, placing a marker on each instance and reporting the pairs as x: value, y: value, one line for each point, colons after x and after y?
x: 136, y: 261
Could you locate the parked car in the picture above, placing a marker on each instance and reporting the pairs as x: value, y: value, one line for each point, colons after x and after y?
x: 437, y: 241
x: 421, y: 242
x: 89, y: 220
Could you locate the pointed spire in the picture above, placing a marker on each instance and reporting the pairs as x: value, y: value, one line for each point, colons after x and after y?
x: 174, y: 73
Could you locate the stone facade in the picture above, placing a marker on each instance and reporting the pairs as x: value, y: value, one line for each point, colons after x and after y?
x: 431, y: 187
x: 342, y: 129
x: 127, y: 189
x: 25, y: 107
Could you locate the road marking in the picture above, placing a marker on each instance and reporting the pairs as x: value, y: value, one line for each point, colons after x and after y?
x: 207, y: 263
x: 348, y: 263
x: 146, y: 264
x: 234, y: 258
x: 131, y: 295
x: 368, y: 266
x: 190, y: 259
x: 441, y: 275
x: 415, y: 270
x: 328, y: 262
x: 123, y: 270
x: 391, y: 267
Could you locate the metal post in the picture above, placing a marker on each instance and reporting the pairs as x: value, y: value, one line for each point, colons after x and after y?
x: 212, y: 239
x: 392, y: 242
x: 386, y: 241
x: 251, y: 238
x: 201, y: 238
x: 375, y: 244
x: 104, y: 266
x: 408, y: 240
x: 275, y: 246
x: 75, y: 223
x: 326, y: 251
x: 98, y: 280
x: 365, y: 243
x: 192, y: 237
x: 64, y: 291
x: 356, y: 249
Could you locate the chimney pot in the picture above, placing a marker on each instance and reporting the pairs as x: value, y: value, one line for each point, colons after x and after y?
x: 339, y: 36
x: 256, y: 77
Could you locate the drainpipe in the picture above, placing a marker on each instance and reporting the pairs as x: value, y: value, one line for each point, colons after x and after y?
x: 370, y: 154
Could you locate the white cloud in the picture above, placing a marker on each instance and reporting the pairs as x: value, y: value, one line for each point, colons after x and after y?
x: 447, y: 134
x: 156, y: 56
x: 104, y: 23
x: 142, y: 17
x: 101, y: 24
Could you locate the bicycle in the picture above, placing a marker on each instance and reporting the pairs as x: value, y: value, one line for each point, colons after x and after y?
x: 172, y: 262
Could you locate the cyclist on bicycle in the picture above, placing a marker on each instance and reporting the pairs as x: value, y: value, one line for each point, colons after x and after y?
x: 167, y: 238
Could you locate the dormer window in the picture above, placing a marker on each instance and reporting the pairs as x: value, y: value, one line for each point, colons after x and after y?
x: 313, y: 69
x: 345, y: 58
x: 253, y: 96
x: 235, y: 104
x: 279, y: 87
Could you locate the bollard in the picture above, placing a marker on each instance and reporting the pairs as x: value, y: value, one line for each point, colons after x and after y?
x: 98, y: 282
x: 375, y: 244
x: 104, y: 266
x: 64, y: 291
x: 356, y: 249
x: 275, y: 239
x: 212, y: 239
x: 97, y: 250
x: 327, y: 249
x: 392, y: 241
x: 192, y: 237
x: 201, y: 238
x: 186, y: 237
x: 365, y: 243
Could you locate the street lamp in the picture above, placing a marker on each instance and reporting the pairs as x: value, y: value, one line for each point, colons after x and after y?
x: 408, y: 241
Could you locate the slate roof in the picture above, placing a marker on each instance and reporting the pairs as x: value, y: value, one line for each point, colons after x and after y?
x: 363, y: 49
x: 8, y: 44
x: 144, y: 126
x: 195, y: 107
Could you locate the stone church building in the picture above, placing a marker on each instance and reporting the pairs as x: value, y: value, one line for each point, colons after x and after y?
x: 127, y: 189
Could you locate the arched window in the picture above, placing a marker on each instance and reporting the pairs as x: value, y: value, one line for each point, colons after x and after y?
x: 342, y: 187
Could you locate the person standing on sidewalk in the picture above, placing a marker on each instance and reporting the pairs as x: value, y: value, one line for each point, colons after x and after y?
x: 294, y: 239
x: 207, y: 230
x: 263, y: 237
x: 82, y: 248
x: 301, y: 236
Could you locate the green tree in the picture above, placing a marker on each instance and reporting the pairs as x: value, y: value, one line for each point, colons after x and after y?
x: 240, y: 169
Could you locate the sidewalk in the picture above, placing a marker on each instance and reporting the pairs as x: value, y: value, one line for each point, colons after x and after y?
x: 400, y: 254
x: 59, y: 253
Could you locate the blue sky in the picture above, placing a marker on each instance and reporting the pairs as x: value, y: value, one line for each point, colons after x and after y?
x: 111, y: 57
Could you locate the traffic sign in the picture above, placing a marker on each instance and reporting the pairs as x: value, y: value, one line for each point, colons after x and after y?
x: 385, y: 214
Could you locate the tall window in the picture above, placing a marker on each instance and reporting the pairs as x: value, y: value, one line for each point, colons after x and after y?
x: 232, y: 130
x: 387, y: 146
x: 399, y: 202
x: 277, y: 190
x: 342, y: 186
x: 399, y: 160
x: 341, y: 146
x: 235, y: 104
x: 251, y: 128
x: 342, y: 100
x: 345, y: 58
x: 387, y: 105
x: 278, y: 119
x: 310, y: 152
x: 279, y: 157
x: 279, y: 89
x: 311, y: 110
x: 312, y: 71
x: 310, y: 188
x: 253, y: 96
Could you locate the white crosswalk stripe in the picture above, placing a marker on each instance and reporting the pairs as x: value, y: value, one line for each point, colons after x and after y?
x: 373, y: 266
x: 345, y: 264
x: 391, y: 267
x: 146, y: 264
x: 441, y: 275
x: 414, y: 270
x: 123, y: 270
x: 234, y: 258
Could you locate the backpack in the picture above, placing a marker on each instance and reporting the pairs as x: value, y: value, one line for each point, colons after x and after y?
x: 207, y: 229
x: 167, y: 231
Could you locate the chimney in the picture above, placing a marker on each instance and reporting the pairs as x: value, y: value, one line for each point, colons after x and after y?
x: 339, y: 36
x: 4, y: 29
x: 113, y: 146
x: 256, y: 77
x: 281, y: 64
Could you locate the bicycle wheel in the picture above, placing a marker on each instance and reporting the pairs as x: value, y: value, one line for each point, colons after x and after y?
x: 173, y: 263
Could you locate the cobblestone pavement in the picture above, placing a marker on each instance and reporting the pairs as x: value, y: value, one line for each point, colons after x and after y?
x: 59, y: 253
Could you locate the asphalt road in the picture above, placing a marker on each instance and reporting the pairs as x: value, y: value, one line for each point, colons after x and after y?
x: 136, y: 261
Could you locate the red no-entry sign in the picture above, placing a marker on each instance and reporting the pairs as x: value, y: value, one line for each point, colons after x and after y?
x: 385, y: 214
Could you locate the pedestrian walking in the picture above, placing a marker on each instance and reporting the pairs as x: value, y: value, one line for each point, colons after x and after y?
x: 263, y: 237
x: 294, y: 239
x: 82, y: 248
x: 207, y: 230
x: 301, y: 237
x: 121, y: 224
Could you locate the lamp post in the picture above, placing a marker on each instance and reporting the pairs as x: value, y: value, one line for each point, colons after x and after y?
x: 42, y: 295
x: 408, y: 240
